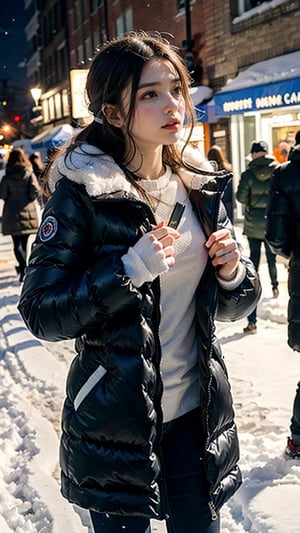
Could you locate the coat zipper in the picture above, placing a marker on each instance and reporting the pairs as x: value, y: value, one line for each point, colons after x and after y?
x: 213, y: 512
x: 213, y: 307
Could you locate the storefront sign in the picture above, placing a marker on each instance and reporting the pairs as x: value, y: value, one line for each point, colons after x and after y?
x: 78, y: 97
x: 257, y: 98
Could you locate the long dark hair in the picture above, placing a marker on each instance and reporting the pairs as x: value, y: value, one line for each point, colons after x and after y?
x: 18, y: 157
x: 118, y: 65
x: 216, y: 154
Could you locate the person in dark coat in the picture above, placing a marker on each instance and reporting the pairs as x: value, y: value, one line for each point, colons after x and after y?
x: 252, y: 192
x: 283, y: 235
x: 37, y: 164
x: 19, y: 189
x: 148, y: 426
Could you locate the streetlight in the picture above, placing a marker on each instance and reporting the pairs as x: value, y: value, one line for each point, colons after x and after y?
x: 36, y: 95
x: 37, y: 119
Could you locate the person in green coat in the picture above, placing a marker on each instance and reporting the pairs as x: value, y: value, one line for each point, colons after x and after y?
x: 253, y: 191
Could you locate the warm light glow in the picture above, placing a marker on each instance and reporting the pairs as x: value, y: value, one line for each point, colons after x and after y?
x: 6, y: 128
x: 36, y: 94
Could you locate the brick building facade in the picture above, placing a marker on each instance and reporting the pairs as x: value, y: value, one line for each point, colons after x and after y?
x: 233, y: 43
x: 225, y: 37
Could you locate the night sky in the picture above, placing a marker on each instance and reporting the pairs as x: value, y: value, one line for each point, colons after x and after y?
x: 13, y: 44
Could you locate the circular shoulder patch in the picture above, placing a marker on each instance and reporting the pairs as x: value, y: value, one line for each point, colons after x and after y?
x: 48, y: 229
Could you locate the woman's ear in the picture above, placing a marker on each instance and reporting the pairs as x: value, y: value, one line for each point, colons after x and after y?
x: 112, y: 115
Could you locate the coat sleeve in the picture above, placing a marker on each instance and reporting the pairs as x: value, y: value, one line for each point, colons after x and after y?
x: 279, y: 219
x: 243, y: 190
x: 239, y: 302
x: 70, y: 288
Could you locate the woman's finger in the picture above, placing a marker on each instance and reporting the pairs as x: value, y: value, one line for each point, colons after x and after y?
x: 218, y: 235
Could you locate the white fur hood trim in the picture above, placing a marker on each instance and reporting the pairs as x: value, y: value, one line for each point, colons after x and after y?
x: 101, y: 175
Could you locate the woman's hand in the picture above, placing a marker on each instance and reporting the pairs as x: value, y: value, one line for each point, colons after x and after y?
x: 224, y: 253
x: 165, y: 237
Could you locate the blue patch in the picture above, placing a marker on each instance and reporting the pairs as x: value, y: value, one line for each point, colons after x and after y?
x: 48, y: 229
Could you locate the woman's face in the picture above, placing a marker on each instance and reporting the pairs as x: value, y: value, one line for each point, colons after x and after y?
x: 159, y: 106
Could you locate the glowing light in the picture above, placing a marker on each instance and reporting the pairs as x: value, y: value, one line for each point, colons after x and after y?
x: 36, y: 94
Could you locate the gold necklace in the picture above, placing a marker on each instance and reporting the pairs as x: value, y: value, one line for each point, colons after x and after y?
x: 152, y: 199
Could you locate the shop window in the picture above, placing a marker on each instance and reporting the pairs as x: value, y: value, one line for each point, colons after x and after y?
x: 95, y: 39
x: 246, y: 5
x: 88, y: 49
x: 82, y: 10
x: 58, y: 105
x: 51, y: 108
x: 75, y: 16
x: 94, y: 4
x: 124, y: 22
x: 249, y: 133
x: 65, y: 103
x: 180, y: 5
x: 79, y: 54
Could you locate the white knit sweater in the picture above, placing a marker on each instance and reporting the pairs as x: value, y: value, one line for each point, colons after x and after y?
x: 177, y: 329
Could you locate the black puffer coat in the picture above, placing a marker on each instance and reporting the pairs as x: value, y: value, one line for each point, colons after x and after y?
x: 252, y: 191
x: 19, y: 189
x: 76, y: 287
x: 283, y: 233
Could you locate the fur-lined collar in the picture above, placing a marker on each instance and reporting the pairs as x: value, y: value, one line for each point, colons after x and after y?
x: 98, y: 172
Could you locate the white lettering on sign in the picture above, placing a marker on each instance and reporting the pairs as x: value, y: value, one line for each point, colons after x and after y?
x: 238, y: 105
x: 292, y: 98
x: 262, y: 102
x: 274, y: 100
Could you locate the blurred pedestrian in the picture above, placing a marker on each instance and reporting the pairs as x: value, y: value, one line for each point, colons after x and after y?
x: 217, y: 155
x: 19, y: 189
x: 148, y: 423
x: 253, y: 191
x: 283, y: 235
x: 37, y: 164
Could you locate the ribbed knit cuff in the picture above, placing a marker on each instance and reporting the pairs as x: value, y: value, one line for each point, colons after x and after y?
x: 236, y: 281
x: 135, y: 268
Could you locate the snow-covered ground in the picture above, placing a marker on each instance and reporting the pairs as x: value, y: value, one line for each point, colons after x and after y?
x: 263, y: 372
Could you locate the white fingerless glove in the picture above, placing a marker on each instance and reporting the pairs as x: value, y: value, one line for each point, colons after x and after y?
x: 144, y: 261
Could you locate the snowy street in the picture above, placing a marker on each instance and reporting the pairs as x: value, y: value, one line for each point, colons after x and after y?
x: 263, y: 372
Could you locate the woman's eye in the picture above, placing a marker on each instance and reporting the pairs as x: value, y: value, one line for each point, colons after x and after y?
x: 177, y: 89
x: 149, y: 95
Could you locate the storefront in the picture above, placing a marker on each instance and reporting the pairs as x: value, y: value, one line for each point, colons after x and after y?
x: 263, y: 102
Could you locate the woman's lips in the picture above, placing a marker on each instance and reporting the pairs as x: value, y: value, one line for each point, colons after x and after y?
x: 172, y: 125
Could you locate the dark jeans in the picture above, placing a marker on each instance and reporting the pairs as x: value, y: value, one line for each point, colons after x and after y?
x: 295, y: 421
x: 20, y: 248
x: 186, y: 484
x: 255, y: 250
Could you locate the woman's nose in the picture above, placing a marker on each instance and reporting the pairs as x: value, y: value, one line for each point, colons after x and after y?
x: 170, y: 103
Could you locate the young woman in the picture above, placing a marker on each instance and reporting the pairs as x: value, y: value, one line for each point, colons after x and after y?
x: 148, y: 423
x: 19, y: 189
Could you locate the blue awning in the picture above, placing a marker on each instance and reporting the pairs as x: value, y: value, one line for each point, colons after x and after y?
x: 266, y: 85
x: 53, y: 137
x: 280, y: 94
